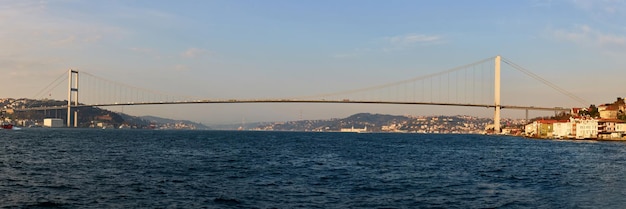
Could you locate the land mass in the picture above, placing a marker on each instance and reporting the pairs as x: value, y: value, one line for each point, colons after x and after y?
x: 94, y: 117
x: 90, y: 117
x: 366, y: 122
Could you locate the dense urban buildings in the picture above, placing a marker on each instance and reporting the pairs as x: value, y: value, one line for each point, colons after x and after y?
x: 606, y: 121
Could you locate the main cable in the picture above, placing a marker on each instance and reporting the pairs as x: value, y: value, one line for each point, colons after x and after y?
x: 546, y: 82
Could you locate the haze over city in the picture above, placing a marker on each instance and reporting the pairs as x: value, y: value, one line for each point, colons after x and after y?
x: 284, y: 49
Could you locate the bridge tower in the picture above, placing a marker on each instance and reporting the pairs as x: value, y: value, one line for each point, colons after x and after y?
x: 72, y: 92
x: 496, y: 97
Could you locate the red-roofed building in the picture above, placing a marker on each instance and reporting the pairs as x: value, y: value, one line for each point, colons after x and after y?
x: 608, y: 111
x: 577, y: 110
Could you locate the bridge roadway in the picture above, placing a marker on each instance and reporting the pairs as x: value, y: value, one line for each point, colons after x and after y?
x: 344, y: 101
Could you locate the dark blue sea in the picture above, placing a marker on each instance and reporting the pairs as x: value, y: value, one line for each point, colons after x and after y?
x: 70, y: 168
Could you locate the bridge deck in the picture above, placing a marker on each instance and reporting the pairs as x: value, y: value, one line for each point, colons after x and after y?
x: 231, y: 101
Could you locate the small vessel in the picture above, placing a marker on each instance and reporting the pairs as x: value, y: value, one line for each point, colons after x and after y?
x: 7, y: 126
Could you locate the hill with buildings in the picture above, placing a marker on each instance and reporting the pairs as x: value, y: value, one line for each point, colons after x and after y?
x: 90, y: 117
x: 174, y: 124
x: 366, y: 122
x: 605, y: 121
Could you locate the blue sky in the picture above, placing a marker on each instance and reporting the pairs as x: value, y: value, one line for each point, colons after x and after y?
x: 270, y: 49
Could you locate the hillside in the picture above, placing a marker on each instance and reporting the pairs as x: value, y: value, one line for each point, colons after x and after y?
x: 159, y: 120
x: 90, y: 117
x: 387, y: 123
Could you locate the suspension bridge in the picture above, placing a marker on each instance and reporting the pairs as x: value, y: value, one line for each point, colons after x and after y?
x: 476, y: 84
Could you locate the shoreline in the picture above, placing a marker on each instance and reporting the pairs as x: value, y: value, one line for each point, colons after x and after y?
x: 575, y: 139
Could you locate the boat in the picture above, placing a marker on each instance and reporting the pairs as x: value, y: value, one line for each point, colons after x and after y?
x: 7, y: 126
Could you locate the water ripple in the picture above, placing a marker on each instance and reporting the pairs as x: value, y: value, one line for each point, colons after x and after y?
x: 47, y: 168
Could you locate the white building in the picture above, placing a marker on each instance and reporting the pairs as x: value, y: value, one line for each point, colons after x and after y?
x: 355, y: 130
x: 562, y: 130
x: 52, y: 122
x: 620, y: 128
x: 607, y: 129
x: 531, y: 129
x: 586, y: 129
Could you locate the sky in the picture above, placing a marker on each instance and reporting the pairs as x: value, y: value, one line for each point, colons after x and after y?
x: 283, y: 49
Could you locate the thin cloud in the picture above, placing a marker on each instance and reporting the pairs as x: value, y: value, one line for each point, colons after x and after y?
x: 606, y: 12
x: 393, y: 43
x: 194, y: 53
x: 586, y: 36
x: 181, y: 68
x: 606, y: 6
x: 37, y: 38
x: 65, y: 41
x: 406, y: 41
x: 142, y: 50
x: 412, y: 39
x: 73, y: 40
x: 33, y: 24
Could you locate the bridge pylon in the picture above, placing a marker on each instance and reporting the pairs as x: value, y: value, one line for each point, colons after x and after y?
x: 496, y: 97
x: 72, y: 92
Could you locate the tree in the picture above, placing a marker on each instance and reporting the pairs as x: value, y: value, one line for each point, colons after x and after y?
x: 592, y: 111
x: 561, y: 116
x: 621, y: 115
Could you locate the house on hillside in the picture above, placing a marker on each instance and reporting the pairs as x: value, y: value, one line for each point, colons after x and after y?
x: 577, y: 110
x: 608, y: 111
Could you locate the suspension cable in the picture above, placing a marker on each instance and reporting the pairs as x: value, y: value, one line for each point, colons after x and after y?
x: 396, y: 83
x: 544, y: 81
x: 58, y: 79
x: 138, y: 88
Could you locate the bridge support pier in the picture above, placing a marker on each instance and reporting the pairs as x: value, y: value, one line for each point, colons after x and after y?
x: 496, y: 98
x: 72, y: 92
x: 526, y: 116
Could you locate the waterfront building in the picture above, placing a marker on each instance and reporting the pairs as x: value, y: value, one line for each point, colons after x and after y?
x: 355, y: 130
x: 53, y: 122
x: 578, y: 128
x: 586, y: 128
x: 563, y: 129
x: 621, y: 129
x: 607, y: 129
x: 540, y: 128
x: 530, y: 129
x: 546, y: 128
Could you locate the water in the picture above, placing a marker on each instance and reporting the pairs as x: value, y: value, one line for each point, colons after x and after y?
x: 41, y: 168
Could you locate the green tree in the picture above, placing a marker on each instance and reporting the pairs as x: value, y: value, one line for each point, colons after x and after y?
x: 592, y: 111
x: 621, y: 115
x: 561, y: 116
